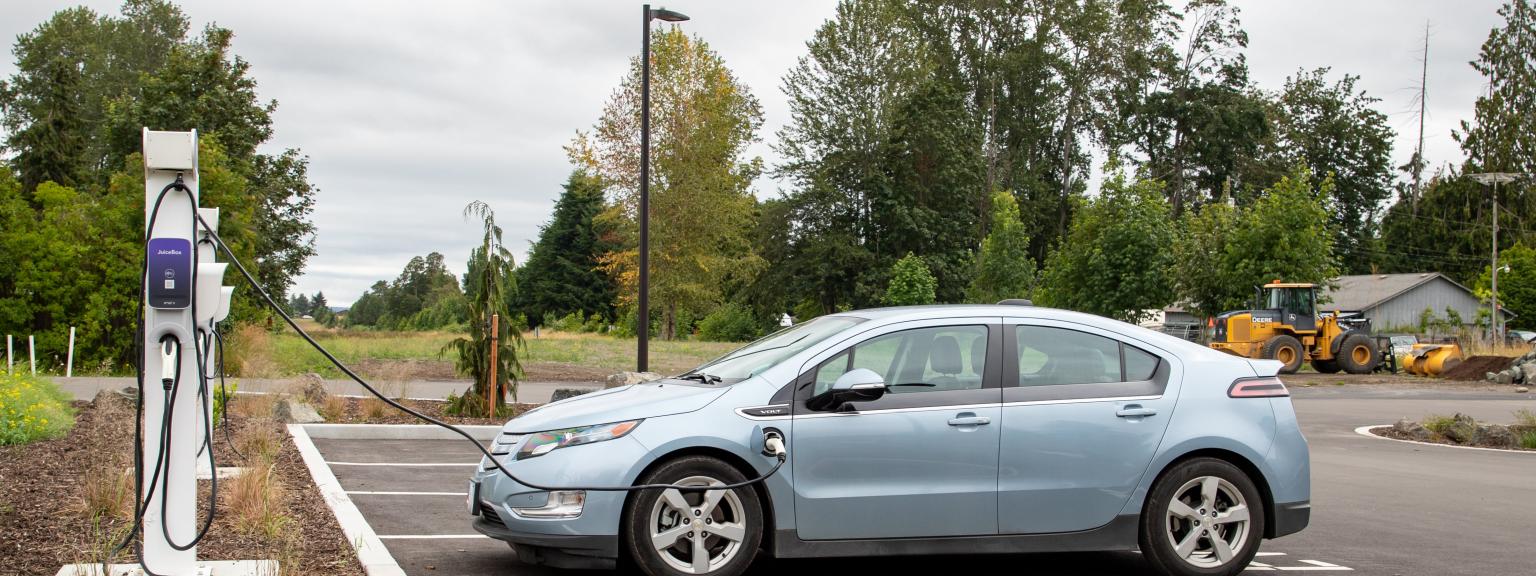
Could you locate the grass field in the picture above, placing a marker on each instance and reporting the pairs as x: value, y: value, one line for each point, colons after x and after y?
x: 411, y: 355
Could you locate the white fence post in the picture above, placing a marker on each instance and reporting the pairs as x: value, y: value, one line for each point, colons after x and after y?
x: 69, y: 365
x: 9, y: 366
x: 32, y: 352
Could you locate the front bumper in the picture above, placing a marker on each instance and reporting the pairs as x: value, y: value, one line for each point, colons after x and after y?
x: 1290, y: 518
x: 556, y: 550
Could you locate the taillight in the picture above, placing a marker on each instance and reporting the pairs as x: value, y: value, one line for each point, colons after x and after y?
x: 1260, y: 387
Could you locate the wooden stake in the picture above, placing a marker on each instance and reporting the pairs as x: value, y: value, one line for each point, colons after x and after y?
x: 491, y: 387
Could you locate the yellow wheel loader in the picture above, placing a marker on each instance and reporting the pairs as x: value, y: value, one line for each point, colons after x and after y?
x: 1288, y: 328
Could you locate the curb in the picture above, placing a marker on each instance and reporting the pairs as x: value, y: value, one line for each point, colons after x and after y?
x: 1366, y: 431
x: 371, y: 553
x: 394, y: 432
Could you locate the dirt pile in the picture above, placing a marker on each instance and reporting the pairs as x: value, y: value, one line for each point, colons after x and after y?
x: 1476, y: 367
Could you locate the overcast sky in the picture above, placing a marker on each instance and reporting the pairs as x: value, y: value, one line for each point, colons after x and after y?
x: 410, y: 110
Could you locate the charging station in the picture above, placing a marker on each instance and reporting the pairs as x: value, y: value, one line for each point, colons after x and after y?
x: 184, y: 299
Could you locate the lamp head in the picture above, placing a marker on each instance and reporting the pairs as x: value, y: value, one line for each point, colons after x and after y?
x: 666, y: 15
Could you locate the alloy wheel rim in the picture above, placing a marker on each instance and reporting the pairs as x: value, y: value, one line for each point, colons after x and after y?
x: 697, y: 532
x: 1207, y: 522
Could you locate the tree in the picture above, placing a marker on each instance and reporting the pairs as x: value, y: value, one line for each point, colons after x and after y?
x: 911, y: 283
x: 1116, y: 257
x: 563, y: 273
x: 472, y: 353
x: 1200, y: 259
x: 1283, y: 236
x: 1334, y: 130
x: 1502, y: 134
x: 703, y: 119
x: 1517, y: 285
x: 1003, y: 266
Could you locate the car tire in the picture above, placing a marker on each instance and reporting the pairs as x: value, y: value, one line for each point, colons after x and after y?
x: 1325, y: 366
x: 1286, y: 349
x: 1212, y: 495
x: 733, y: 522
x: 1357, y: 354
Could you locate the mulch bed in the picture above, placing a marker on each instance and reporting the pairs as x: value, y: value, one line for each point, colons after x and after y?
x: 1477, y: 367
x: 1394, y: 433
x: 42, y: 504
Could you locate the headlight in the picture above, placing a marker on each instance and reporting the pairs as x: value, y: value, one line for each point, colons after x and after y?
x: 543, y: 443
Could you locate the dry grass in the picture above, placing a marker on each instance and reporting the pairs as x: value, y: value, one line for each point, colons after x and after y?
x: 1479, y: 347
x: 334, y: 408
x: 254, y: 502
x: 108, y: 493
x: 250, y: 353
x: 1524, y: 417
x: 97, y: 538
x: 253, y: 406
x: 259, y: 442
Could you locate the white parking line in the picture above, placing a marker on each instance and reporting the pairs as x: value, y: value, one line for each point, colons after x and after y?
x: 433, y: 537
x: 1311, y: 565
x: 440, y: 464
x: 369, y: 493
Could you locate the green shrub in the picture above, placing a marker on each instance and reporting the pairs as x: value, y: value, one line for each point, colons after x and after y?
x: 729, y: 323
x: 32, y: 409
x: 221, y: 397
x: 1439, y: 424
x: 1528, y: 440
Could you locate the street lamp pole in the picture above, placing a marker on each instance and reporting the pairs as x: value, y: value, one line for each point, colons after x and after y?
x: 1495, y: 178
x: 642, y: 355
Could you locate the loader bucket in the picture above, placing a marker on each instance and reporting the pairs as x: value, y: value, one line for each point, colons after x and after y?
x: 1432, y: 359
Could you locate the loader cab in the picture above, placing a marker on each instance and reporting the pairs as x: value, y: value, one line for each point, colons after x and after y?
x: 1296, y: 304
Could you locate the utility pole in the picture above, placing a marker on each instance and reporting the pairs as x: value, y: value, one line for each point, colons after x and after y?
x: 1495, y: 178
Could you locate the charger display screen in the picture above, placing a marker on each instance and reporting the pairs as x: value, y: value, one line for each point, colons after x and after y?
x: 170, y: 273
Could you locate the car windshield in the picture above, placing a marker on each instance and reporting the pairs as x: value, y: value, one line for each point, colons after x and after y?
x: 749, y: 360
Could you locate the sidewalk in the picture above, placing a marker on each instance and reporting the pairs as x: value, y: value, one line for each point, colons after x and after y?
x: 85, y: 388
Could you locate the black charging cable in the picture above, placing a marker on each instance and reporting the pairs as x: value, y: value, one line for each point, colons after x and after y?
x: 782, y: 456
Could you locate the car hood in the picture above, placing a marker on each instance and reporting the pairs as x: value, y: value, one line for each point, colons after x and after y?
x: 648, y: 400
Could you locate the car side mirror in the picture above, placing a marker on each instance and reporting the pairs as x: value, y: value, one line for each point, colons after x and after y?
x: 860, y: 385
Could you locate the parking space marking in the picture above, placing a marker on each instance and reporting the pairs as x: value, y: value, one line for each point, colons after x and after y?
x: 427, y: 464
x: 433, y: 537
x: 372, y: 493
x: 1311, y: 565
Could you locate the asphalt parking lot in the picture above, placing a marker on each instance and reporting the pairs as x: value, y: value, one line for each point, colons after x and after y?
x: 1379, y: 507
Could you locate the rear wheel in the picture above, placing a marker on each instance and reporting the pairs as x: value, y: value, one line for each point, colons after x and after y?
x: 1204, y: 517
x: 1357, y: 354
x: 1325, y: 366
x: 1286, y: 349
x: 676, y: 532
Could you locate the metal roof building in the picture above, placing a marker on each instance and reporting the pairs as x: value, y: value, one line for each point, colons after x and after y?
x: 1396, y: 301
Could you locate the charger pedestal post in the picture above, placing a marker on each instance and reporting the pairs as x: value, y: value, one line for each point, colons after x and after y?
x: 169, y: 312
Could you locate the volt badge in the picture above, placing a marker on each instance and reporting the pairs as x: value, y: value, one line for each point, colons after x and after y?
x: 170, y: 273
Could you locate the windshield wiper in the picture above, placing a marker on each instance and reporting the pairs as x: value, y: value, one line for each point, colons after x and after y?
x: 702, y: 377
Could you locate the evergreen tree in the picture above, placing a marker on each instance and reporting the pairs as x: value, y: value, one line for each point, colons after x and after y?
x: 563, y: 272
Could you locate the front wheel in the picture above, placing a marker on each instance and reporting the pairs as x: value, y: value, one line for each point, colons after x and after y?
x: 1204, y: 517
x: 1357, y: 354
x: 677, y: 532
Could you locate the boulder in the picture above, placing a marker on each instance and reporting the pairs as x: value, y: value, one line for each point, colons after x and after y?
x: 1528, y: 372
x: 1463, y: 429
x: 1521, y: 389
x: 292, y: 411
x: 1495, y: 436
x: 563, y: 393
x: 628, y: 378
x: 1489, y: 376
x: 311, y: 387
x: 129, y: 393
x: 1504, y: 377
x: 1413, y: 430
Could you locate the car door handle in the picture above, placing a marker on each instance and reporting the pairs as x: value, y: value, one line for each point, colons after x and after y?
x: 1135, y: 411
x: 969, y: 421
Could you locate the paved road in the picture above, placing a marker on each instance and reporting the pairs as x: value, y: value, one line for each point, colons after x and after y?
x: 1379, y: 507
x: 536, y: 392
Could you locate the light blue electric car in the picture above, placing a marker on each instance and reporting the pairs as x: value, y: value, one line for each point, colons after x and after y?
x: 914, y: 430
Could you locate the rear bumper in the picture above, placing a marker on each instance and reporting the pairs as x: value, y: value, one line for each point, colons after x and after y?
x: 1290, y: 518
x: 557, y: 550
